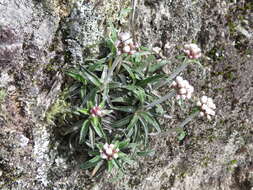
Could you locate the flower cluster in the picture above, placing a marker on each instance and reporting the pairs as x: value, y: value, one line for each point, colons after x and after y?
x: 96, y: 112
x: 125, y: 44
x: 192, y: 51
x: 184, y: 89
x: 109, y: 152
x: 207, y: 107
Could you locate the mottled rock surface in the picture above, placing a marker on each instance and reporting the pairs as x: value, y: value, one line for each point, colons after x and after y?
x: 38, y: 39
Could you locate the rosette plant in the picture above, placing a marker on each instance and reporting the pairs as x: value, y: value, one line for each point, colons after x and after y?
x: 115, y: 100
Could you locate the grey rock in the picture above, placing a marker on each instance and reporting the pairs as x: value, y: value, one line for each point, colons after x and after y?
x: 36, y: 42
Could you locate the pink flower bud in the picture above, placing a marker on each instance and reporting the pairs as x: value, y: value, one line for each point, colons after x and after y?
x: 96, y: 112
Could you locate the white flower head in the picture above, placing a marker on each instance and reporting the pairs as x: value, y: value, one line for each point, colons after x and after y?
x: 109, y: 152
x: 192, y: 51
x: 184, y: 89
x: 207, y: 107
x: 125, y: 44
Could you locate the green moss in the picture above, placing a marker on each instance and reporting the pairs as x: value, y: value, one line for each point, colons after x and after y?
x: 58, y: 110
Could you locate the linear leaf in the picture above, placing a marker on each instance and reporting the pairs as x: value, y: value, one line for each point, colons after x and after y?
x: 73, y: 128
x: 76, y: 76
x: 91, y: 137
x: 150, y: 80
x: 97, y: 127
x: 122, y: 122
x: 129, y: 70
x: 109, y: 166
x: 146, y: 153
x: 91, y: 77
x: 91, y: 163
x: 98, y: 165
x: 157, y: 66
x: 151, y: 120
x: 84, y: 111
x: 84, y: 131
x: 123, y: 144
x: 128, y: 109
x: 145, y: 127
x: 131, y: 125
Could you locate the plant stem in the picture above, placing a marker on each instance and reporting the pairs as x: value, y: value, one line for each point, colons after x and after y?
x: 188, y: 119
x: 179, y: 128
x: 160, y: 100
x: 173, y: 75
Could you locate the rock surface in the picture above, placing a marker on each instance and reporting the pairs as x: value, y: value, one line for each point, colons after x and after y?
x: 38, y: 39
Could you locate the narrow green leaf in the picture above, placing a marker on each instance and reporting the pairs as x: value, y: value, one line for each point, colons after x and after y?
x: 129, y: 70
x: 125, y: 158
x: 91, y: 163
x: 77, y: 76
x: 97, y: 126
x: 138, y: 91
x: 90, y: 97
x: 157, y: 66
x: 109, y: 165
x: 123, y: 144
x: 91, y: 77
x: 104, y: 74
x: 91, y: 137
x: 84, y: 111
x: 135, y: 131
x: 98, y: 165
x: 128, y: 109
x: 146, y: 153
x: 150, y: 80
x: 131, y: 125
x: 117, y: 165
x: 122, y: 122
x: 84, y: 131
x: 151, y: 120
x: 145, y: 127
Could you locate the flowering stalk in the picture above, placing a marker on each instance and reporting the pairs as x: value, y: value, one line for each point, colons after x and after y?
x: 160, y: 100
x: 188, y: 119
x: 173, y: 75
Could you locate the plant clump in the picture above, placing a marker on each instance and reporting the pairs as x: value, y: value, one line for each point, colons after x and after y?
x: 116, y: 105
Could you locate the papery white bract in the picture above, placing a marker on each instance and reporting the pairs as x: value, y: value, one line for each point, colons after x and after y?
x: 207, y: 107
x: 192, y: 51
x: 183, y: 88
x: 109, y: 152
x: 125, y: 44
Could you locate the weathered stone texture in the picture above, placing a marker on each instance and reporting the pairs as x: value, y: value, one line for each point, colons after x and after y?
x: 39, y: 38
